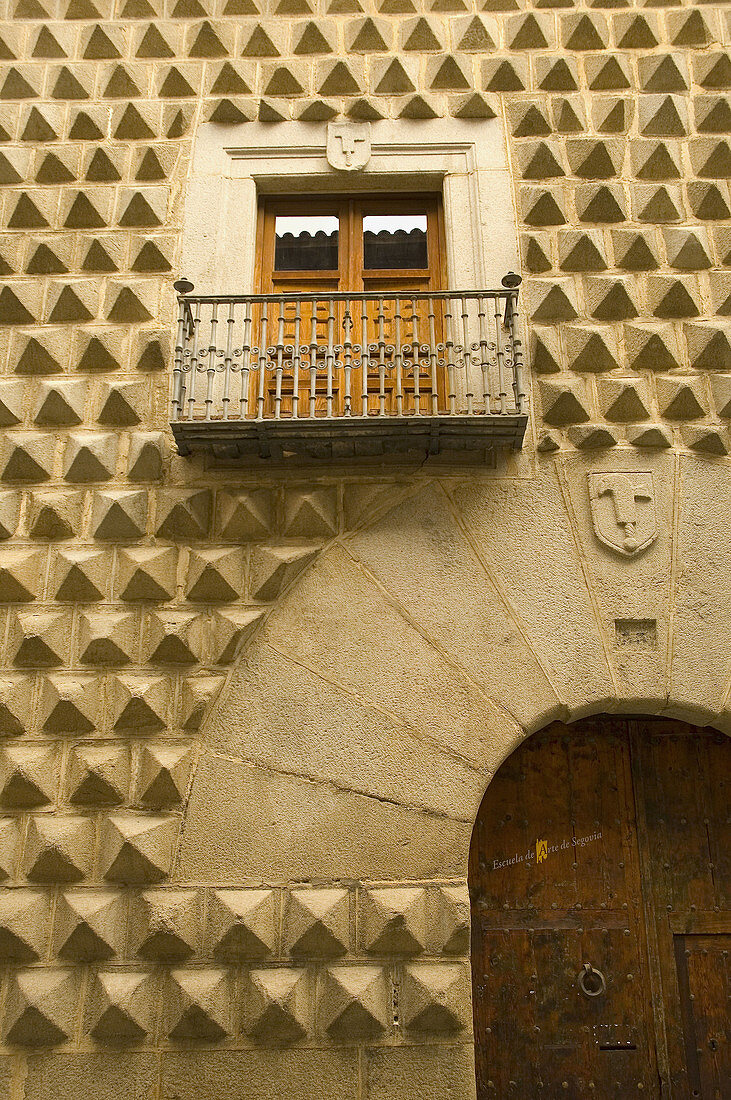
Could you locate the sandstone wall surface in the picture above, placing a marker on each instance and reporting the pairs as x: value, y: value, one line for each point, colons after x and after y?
x: 247, y: 717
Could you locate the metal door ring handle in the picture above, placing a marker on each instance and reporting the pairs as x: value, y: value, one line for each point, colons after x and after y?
x: 591, y: 982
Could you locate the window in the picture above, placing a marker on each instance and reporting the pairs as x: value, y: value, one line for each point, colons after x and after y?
x: 381, y: 246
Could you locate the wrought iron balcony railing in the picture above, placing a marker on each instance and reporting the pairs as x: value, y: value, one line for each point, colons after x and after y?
x: 333, y: 374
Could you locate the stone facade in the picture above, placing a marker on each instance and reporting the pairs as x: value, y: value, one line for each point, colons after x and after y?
x: 247, y: 717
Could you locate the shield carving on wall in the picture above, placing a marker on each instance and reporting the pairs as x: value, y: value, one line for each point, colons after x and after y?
x: 623, y: 510
x: 348, y: 145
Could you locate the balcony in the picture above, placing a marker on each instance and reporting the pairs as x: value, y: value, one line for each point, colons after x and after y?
x: 335, y: 376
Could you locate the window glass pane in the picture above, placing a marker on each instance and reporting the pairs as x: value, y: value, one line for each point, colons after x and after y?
x: 307, y: 242
x: 394, y: 241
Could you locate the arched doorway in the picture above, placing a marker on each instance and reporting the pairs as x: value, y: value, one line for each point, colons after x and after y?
x: 604, y: 845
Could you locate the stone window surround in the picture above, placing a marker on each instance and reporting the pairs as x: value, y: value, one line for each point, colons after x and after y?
x: 232, y: 165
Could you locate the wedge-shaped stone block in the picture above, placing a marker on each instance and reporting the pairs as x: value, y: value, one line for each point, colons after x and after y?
x: 275, y: 567
x: 81, y: 576
x: 137, y: 849
x: 197, y: 1005
x: 89, y: 925
x: 436, y: 997
x: 121, y: 404
x: 245, y: 515
x: 454, y: 920
x: 147, y: 573
x: 310, y: 514
x: 41, y: 1008
x: 9, y: 847
x: 146, y: 453
x: 165, y: 924
x: 90, y: 456
x: 163, y: 775
x: 98, y: 775
x: 681, y: 398
x: 16, y: 693
x: 564, y: 402
x: 241, y: 924
x: 24, y: 923
x: 649, y: 435
x: 317, y: 923
x: 651, y: 347
x: 230, y: 629
x: 21, y: 575
x: 107, y: 638
x: 28, y: 776
x: 119, y: 514
x: 58, y: 848
x: 215, y: 575
x: 588, y: 437
x: 175, y: 637
x: 120, y: 1007
x: 60, y: 403
x: 9, y: 510
x: 69, y: 703
x: 55, y: 515
x: 11, y: 403
x: 26, y: 456
x: 624, y: 400
x: 721, y: 387
x: 708, y: 439
x: 197, y: 695
x: 709, y: 346
x: 353, y: 1002
x: 183, y: 516
x: 140, y: 702
x: 38, y: 639
x: 276, y: 1005
x: 393, y: 920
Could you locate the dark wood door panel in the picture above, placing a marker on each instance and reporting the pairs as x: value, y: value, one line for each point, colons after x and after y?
x: 705, y: 990
x: 633, y: 816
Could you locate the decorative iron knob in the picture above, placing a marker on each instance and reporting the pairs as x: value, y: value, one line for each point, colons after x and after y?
x: 511, y: 280
x: 591, y: 982
x: 183, y: 286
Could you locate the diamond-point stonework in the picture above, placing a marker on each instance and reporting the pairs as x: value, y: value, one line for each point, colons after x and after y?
x: 254, y: 684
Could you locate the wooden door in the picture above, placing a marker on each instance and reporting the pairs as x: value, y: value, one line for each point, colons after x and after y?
x: 593, y: 857
x: 356, y: 244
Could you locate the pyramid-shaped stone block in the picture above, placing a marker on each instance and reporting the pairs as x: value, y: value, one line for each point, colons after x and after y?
x: 317, y: 923
x: 197, y: 1006
x: 166, y: 925
x: 215, y: 575
x: 119, y: 1008
x: 24, y: 922
x: 39, y: 639
x: 137, y: 848
x: 241, y: 924
x: 41, y: 1008
x: 273, y: 568
x: 15, y: 704
x: 107, y: 638
x: 277, y: 1005
x: 163, y: 775
x: 89, y: 925
x: 197, y: 695
x: 140, y: 702
x: 147, y: 573
x: 119, y: 514
x: 54, y: 514
x: 58, y: 848
x: 69, y: 703
x: 98, y: 775
x: 183, y: 516
x: 393, y: 920
x: 28, y: 776
x: 353, y: 1002
x: 436, y: 997
x: 21, y: 575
